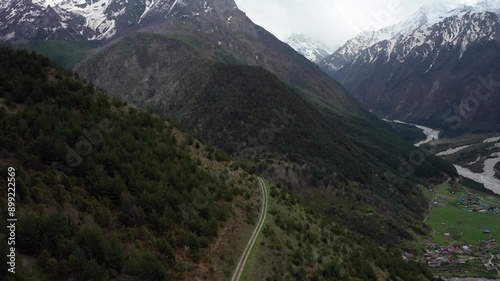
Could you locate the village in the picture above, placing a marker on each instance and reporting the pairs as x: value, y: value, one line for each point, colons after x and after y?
x: 474, y: 203
x: 464, y: 234
x: 446, y: 256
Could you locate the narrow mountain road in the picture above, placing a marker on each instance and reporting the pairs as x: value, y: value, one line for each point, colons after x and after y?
x: 434, y: 197
x: 429, y: 212
x: 263, y: 212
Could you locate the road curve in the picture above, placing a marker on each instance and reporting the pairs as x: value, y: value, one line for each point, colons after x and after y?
x: 263, y: 212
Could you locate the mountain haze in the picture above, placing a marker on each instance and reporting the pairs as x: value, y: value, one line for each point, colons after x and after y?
x: 312, y: 49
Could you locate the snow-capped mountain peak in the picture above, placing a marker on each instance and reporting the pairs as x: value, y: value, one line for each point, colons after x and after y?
x: 96, y: 17
x: 46, y: 3
x: 426, y: 15
x: 488, y: 6
x: 393, y: 70
x: 313, y: 50
x: 417, y: 30
x: 103, y: 19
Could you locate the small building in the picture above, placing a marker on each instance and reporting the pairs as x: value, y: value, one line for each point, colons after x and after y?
x: 489, y: 267
x: 487, y: 231
x: 408, y: 256
x: 434, y: 263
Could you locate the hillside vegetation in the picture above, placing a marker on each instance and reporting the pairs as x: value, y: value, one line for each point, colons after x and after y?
x: 299, y: 245
x: 106, y: 191
x: 66, y: 53
x: 305, y: 142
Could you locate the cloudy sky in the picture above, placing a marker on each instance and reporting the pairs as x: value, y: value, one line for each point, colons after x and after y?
x: 332, y: 21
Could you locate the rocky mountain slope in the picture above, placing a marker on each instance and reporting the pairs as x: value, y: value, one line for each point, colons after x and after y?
x: 101, y: 19
x: 69, y: 19
x: 312, y: 49
x: 428, y: 68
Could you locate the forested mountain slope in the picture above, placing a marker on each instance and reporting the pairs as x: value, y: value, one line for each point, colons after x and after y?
x: 106, y: 191
x: 254, y: 116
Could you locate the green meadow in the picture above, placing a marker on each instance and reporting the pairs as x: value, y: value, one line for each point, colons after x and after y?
x: 449, y: 215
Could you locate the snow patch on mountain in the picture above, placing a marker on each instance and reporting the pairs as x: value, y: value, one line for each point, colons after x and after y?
x: 94, y: 13
x: 312, y: 49
x: 488, y: 6
x: 46, y: 3
x: 435, y: 26
x: 149, y: 5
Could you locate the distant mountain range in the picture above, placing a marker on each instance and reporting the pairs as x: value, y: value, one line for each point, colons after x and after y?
x: 426, y: 69
x: 91, y: 19
x: 313, y: 50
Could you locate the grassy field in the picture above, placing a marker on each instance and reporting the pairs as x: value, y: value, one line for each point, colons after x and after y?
x: 450, y: 216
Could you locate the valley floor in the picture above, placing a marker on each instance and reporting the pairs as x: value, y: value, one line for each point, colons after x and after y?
x: 476, y: 157
x: 464, y: 214
x: 465, y: 232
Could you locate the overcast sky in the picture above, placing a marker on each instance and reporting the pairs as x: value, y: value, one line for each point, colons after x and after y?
x: 331, y: 21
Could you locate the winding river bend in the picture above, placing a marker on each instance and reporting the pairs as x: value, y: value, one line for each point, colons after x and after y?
x: 430, y: 134
x: 487, y: 177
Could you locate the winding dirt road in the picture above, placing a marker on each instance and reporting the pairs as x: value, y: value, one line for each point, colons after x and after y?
x: 263, y: 212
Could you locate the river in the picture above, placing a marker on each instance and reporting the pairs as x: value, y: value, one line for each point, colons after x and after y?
x: 487, y: 177
x: 430, y: 134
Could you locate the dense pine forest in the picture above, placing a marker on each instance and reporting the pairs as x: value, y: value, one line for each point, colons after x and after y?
x: 104, y: 188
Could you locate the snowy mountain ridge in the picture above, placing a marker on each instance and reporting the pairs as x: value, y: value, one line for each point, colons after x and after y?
x: 414, y: 32
x: 91, y: 19
x: 46, y: 3
x: 313, y: 50
x: 420, y: 69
